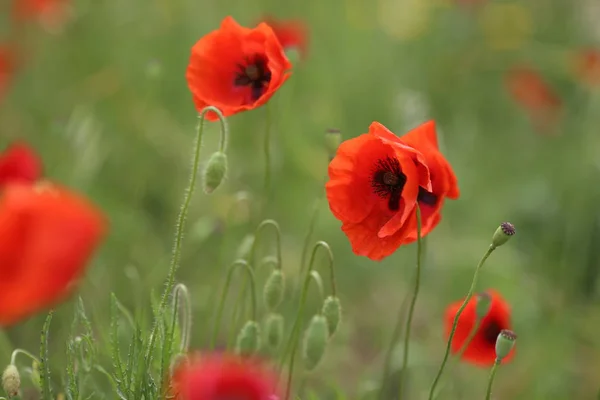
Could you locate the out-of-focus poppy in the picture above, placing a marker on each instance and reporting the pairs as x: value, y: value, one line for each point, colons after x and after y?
x: 32, y: 9
x: 236, y: 69
x: 292, y: 34
x: 223, y: 376
x: 19, y: 163
x: 47, y: 236
x: 374, y: 182
x: 586, y: 66
x: 443, y: 181
x: 481, y: 350
x: 529, y: 90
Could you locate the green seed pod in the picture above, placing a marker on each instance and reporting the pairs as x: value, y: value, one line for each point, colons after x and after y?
x: 504, y: 343
x: 215, y: 171
x: 504, y: 232
x: 35, y: 375
x: 333, y: 139
x: 11, y: 381
x: 248, y: 340
x: 482, y: 307
x: 332, y: 311
x: 274, y: 330
x: 274, y: 289
x: 315, y: 342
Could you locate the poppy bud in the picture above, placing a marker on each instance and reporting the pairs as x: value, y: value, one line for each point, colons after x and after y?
x: 504, y: 343
x: 248, y: 340
x: 332, y: 311
x: 482, y: 307
x: 215, y: 171
x: 35, y: 375
x: 274, y: 330
x: 274, y: 289
x: 502, y: 234
x: 11, y: 381
x: 243, y: 250
x: 315, y: 342
x: 333, y: 139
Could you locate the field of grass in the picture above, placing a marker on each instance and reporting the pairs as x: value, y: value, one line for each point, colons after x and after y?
x: 104, y: 100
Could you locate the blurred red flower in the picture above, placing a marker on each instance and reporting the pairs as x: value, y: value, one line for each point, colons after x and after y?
x: 292, y: 34
x: 443, y: 181
x: 223, y: 376
x: 47, y: 236
x: 236, y: 69
x: 29, y: 9
x: 19, y: 163
x: 374, y: 182
x: 586, y: 65
x: 481, y: 350
x: 529, y: 90
x: 7, y: 68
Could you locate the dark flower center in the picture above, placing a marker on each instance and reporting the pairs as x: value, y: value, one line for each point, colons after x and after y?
x: 491, y: 331
x: 426, y: 197
x: 388, y: 181
x: 254, y: 74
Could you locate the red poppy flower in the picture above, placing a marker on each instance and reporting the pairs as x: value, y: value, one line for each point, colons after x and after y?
x: 443, y: 181
x: 223, y: 376
x: 481, y: 350
x: 236, y: 69
x: 534, y: 94
x: 586, y: 65
x: 47, y: 236
x: 292, y: 34
x: 374, y: 182
x: 19, y: 163
x: 28, y: 9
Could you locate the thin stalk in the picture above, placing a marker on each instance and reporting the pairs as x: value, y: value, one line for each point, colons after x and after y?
x: 457, y: 316
x: 13, y: 357
x: 267, y: 149
x: 469, y: 339
x: 411, y: 308
x: 488, y: 396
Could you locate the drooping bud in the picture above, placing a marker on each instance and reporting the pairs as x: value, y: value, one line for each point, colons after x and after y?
x: 35, y: 375
x: 482, y: 307
x: 504, y: 343
x: 274, y: 289
x: 315, y: 342
x: 333, y: 139
x: 332, y: 311
x: 248, y: 340
x: 216, y: 169
x: 274, y: 330
x: 11, y: 381
x: 504, y: 232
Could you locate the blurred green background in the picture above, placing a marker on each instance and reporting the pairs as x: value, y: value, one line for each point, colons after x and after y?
x: 105, y: 101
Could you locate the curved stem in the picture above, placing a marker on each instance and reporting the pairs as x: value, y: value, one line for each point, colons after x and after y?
x: 13, y: 357
x: 262, y: 226
x: 292, y: 344
x: 411, y: 308
x: 469, y: 339
x: 488, y: 395
x: 311, y: 229
x: 232, y: 268
x: 457, y: 316
x: 181, y: 219
x: 267, y: 149
x: 181, y: 298
x: 316, y: 277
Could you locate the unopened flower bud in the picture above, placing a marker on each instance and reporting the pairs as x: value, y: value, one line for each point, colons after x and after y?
x: 215, y: 171
x: 274, y: 330
x: 274, y: 289
x: 11, y: 381
x: 333, y: 139
x: 332, y: 311
x: 248, y: 340
x: 504, y: 343
x: 315, y: 342
x: 482, y: 307
x: 35, y: 375
x: 502, y: 234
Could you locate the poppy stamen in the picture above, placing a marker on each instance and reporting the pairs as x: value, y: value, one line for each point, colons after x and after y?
x: 388, y: 181
x: 255, y: 74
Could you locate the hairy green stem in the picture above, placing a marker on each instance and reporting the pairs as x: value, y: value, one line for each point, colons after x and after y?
x: 411, y: 308
x: 250, y: 274
x: 488, y: 395
x: 457, y: 316
x: 181, y: 299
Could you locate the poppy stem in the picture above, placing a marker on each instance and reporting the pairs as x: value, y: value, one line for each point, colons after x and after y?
x: 292, y: 344
x: 267, y: 149
x: 13, y: 357
x: 181, y: 300
x: 316, y: 277
x: 457, y: 316
x: 250, y: 274
x: 181, y: 219
x: 488, y: 396
x: 411, y: 308
x: 469, y: 339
